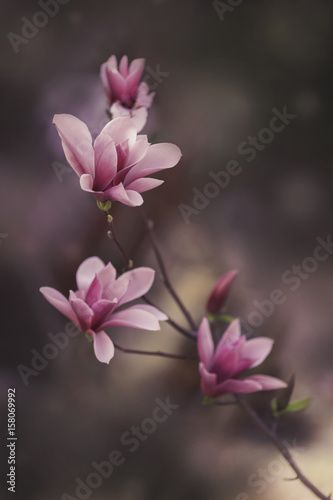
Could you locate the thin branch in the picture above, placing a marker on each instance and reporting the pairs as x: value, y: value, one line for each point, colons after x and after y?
x: 112, y: 235
x: 173, y: 323
x: 150, y: 227
x: 281, y: 447
x: 156, y: 353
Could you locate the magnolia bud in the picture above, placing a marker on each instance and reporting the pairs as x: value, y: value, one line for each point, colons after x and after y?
x: 220, y: 292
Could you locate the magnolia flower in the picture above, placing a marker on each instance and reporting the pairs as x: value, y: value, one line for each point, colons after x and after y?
x: 220, y: 292
x: 92, y: 307
x: 116, y: 166
x: 220, y: 367
x: 126, y: 96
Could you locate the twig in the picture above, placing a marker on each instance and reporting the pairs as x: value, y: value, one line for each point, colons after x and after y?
x: 281, y: 447
x: 155, y: 353
x: 112, y: 235
x: 173, y: 323
x: 150, y: 227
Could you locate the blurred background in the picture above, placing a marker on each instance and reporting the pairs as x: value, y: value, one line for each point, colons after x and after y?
x: 219, y: 77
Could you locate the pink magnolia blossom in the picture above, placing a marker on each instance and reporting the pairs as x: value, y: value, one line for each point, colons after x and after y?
x: 92, y: 307
x: 127, y: 97
x: 116, y: 166
x: 220, y: 292
x: 220, y: 367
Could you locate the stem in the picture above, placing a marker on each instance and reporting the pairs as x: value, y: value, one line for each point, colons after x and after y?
x: 112, y: 235
x: 281, y: 447
x: 150, y: 227
x: 155, y: 353
x: 173, y: 323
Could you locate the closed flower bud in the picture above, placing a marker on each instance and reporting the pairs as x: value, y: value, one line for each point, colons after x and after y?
x: 220, y: 292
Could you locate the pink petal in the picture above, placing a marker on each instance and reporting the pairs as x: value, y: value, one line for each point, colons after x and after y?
x: 133, y: 78
x: 225, y: 363
x: 105, y: 161
x: 127, y: 197
x: 139, y: 118
x: 102, y: 310
x: 57, y: 300
x: 136, y: 67
x: 94, y: 292
x: 220, y: 292
x: 205, y: 343
x: 208, y: 381
x: 256, y: 350
x: 123, y: 66
x: 107, y: 275
x: 267, y: 383
x: 105, y: 80
x: 76, y: 142
x: 154, y: 311
x: 230, y: 336
x: 137, y: 152
x: 244, y: 386
x: 134, y: 317
x: 121, y: 130
x: 158, y: 157
x: 145, y: 184
x: 143, y: 98
x: 87, y: 271
x: 82, y: 311
x: 86, y: 183
x: 117, y: 84
x: 103, y: 346
x: 139, y: 280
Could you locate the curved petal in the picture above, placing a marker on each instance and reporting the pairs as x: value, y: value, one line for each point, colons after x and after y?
x: 256, y: 350
x: 123, y: 66
x: 267, y: 382
x: 86, y: 183
x: 137, y: 152
x: 102, y: 310
x: 230, y: 336
x: 105, y: 161
x: 121, y: 130
x: 145, y: 184
x: 57, y: 300
x: 82, y: 311
x: 139, y: 118
x: 139, y: 280
x: 76, y: 142
x: 107, y: 276
x: 245, y: 386
x: 105, y: 80
x: 94, y: 292
x: 133, y: 317
x: 158, y: 157
x: 127, y: 197
x: 154, y: 311
x: 205, y: 343
x: 225, y: 364
x: 143, y: 98
x: 208, y: 381
x: 103, y: 346
x: 87, y: 271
